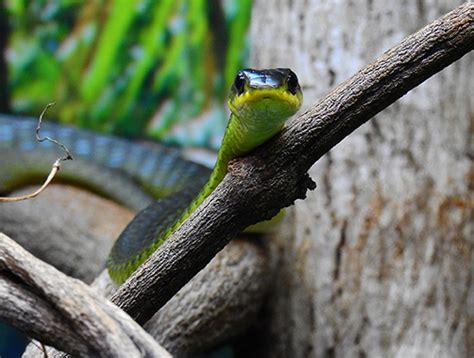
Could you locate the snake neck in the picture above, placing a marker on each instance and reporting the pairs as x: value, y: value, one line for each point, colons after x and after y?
x: 239, y: 139
x: 236, y: 142
x: 260, y: 102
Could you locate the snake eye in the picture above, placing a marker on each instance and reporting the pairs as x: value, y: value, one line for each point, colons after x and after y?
x: 239, y: 83
x: 292, y: 83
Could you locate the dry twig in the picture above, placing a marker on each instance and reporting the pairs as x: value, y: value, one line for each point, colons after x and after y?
x: 55, y: 168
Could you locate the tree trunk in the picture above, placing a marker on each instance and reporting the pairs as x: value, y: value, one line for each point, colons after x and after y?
x: 378, y: 260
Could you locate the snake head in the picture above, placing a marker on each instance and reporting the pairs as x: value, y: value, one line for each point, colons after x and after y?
x: 265, y: 95
x: 260, y: 101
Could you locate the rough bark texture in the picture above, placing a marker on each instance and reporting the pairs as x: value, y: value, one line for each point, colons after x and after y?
x: 64, y: 312
x: 220, y: 302
x: 274, y: 176
x: 378, y: 261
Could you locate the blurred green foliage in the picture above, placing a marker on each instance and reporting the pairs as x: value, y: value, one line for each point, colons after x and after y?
x: 160, y: 69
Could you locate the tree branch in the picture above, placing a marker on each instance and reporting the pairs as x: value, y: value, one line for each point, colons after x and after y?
x: 64, y: 312
x: 274, y: 176
x: 220, y: 302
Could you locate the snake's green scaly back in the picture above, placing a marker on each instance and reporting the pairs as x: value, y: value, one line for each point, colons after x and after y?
x: 260, y: 102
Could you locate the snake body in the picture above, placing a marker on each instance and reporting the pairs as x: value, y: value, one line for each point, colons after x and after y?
x: 260, y: 102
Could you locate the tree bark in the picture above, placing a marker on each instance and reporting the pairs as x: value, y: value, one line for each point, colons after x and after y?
x: 73, y: 230
x: 66, y: 227
x: 378, y: 260
x: 65, y: 312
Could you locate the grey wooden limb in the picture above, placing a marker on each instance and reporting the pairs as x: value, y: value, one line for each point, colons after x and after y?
x: 236, y: 287
x: 220, y: 302
x: 64, y: 312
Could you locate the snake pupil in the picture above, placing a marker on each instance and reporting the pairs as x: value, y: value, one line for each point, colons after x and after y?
x: 292, y: 82
x: 239, y: 83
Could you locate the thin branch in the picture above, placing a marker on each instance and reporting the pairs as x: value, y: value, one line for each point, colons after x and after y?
x: 63, y: 312
x: 55, y: 168
x: 275, y: 175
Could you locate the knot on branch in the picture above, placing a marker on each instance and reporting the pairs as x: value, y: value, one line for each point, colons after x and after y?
x: 304, y: 184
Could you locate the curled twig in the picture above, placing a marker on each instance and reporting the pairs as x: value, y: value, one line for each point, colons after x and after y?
x: 56, y: 165
x: 42, y: 139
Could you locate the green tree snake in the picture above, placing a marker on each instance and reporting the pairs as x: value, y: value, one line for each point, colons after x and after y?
x: 260, y: 102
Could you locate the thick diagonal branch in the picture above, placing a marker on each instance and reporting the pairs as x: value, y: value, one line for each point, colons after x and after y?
x: 274, y: 176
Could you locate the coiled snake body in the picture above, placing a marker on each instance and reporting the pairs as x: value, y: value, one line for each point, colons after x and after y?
x: 260, y: 102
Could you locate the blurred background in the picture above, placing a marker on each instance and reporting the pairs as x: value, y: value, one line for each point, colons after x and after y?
x: 141, y: 69
x: 156, y: 69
